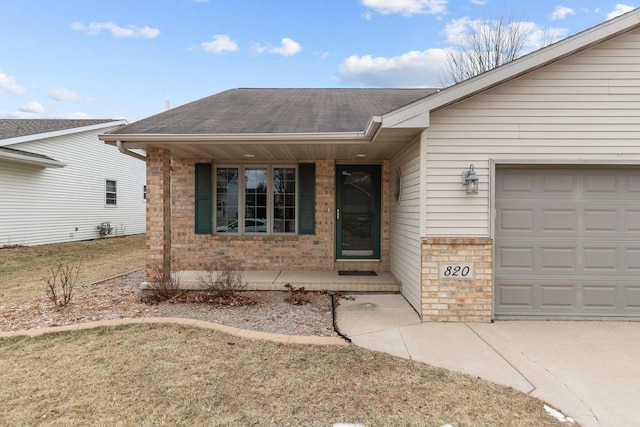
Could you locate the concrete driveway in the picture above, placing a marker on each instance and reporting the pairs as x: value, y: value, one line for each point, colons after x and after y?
x: 588, y: 370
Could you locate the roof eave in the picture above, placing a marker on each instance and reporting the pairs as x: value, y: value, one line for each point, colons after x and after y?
x: 240, y: 138
x: 26, y: 159
x: 69, y: 131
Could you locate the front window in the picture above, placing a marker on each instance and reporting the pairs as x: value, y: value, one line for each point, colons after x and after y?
x: 111, y: 195
x: 266, y: 204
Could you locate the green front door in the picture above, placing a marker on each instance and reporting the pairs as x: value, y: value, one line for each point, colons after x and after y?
x: 358, y: 212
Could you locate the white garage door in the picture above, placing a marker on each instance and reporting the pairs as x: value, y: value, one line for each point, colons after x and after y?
x: 567, y: 242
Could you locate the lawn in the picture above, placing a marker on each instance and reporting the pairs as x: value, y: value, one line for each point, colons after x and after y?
x: 174, y: 375
x: 22, y: 269
x: 182, y: 376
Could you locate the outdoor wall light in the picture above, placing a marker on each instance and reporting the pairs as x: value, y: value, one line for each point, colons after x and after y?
x: 470, y: 179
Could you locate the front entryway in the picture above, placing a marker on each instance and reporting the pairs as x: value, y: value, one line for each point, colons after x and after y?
x: 358, y: 212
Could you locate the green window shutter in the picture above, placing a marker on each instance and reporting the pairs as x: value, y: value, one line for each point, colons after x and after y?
x: 203, y: 199
x: 307, y: 198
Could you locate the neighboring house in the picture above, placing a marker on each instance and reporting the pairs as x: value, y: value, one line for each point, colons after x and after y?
x: 59, y: 182
x: 372, y: 179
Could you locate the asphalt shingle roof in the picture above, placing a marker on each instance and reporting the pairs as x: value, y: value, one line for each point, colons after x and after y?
x: 239, y: 111
x: 13, y: 128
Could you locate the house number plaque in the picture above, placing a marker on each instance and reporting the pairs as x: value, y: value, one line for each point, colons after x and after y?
x: 457, y: 270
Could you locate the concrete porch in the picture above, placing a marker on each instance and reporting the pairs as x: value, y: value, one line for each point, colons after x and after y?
x: 310, y: 280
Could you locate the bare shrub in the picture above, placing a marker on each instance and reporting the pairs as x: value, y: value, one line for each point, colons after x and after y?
x: 165, y: 285
x: 225, y: 279
x: 59, y: 286
x: 297, y: 296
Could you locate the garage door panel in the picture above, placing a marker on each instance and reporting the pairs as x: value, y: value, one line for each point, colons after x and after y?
x: 633, y: 221
x: 520, y: 220
x: 576, y: 257
x: 601, y: 297
x: 600, y: 260
x: 632, y: 261
x: 556, y: 296
x: 601, y: 220
x: 557, y: 258
x: 554, y: 220
x: 632, y: 297
x: 516, y: 296
x: 516, y: 258
x: 558, y: 182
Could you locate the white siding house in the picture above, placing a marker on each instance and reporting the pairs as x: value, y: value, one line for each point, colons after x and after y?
x: 59, y: 181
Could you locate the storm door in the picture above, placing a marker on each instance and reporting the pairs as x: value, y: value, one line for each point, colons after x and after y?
x: 358, y: 212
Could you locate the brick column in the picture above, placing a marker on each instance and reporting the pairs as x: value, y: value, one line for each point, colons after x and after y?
x: 457, y: 298
x: 158, y: 239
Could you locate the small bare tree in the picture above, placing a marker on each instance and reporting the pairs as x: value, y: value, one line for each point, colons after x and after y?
x: 61, y: 283
x: 487, y: 44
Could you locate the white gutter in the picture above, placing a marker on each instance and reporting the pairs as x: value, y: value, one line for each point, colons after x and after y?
x: 240, y: 138
x: 123, y: 150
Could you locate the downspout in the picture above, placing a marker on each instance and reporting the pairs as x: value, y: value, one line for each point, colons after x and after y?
x: 123, y: 150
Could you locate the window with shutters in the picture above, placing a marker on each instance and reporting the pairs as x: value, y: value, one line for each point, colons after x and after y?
x: 256, y: 199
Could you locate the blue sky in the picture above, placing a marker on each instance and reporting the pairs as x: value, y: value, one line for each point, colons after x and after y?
x: 126, y: 58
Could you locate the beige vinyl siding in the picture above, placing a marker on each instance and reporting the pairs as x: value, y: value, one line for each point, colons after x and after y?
x: 405, y: 224
x: 583, y: 108
x: 46, y: 205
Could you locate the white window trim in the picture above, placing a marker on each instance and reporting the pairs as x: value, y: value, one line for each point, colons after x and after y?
x: 106, y: 204
x: 241, y: 197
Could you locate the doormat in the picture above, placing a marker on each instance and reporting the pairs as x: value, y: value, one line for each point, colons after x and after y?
x: 356, y: 273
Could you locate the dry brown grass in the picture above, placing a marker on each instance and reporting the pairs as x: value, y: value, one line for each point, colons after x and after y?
x: 171, y: 375
x: 22, y: 269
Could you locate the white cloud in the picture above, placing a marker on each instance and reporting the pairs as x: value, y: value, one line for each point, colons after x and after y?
x: 32, y: 107
x: 8, y: 84
x: 116, y: 30
x: 620, y: 9
x: 287, y: 47
x: 407, y: 7
x: 561, y: 12
x: 220, y: 43
x: 479, y: 2
x: 64, y: 94
x: 258, y: 48
x: 411, y: 69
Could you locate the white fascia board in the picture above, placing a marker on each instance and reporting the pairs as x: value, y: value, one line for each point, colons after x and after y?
x: 239, y: 138
x: 38, y: 136
x: 20, y: 158
x: 418, y: 112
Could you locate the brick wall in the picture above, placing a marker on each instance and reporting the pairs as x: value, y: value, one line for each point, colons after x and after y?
x: 192, y: 251
x: 457, y: 300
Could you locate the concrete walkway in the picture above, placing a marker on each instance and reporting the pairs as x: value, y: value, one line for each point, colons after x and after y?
x: 587, y: 370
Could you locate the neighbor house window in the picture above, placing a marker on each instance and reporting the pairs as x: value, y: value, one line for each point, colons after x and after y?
x: 254, y: 200
x: 111, y: 196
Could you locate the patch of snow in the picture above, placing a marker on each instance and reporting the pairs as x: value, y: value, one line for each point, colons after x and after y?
x: 347, y: 425
x: 558, y: 415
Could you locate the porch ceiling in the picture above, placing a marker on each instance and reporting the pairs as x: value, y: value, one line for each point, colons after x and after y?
x: 385, y: 145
